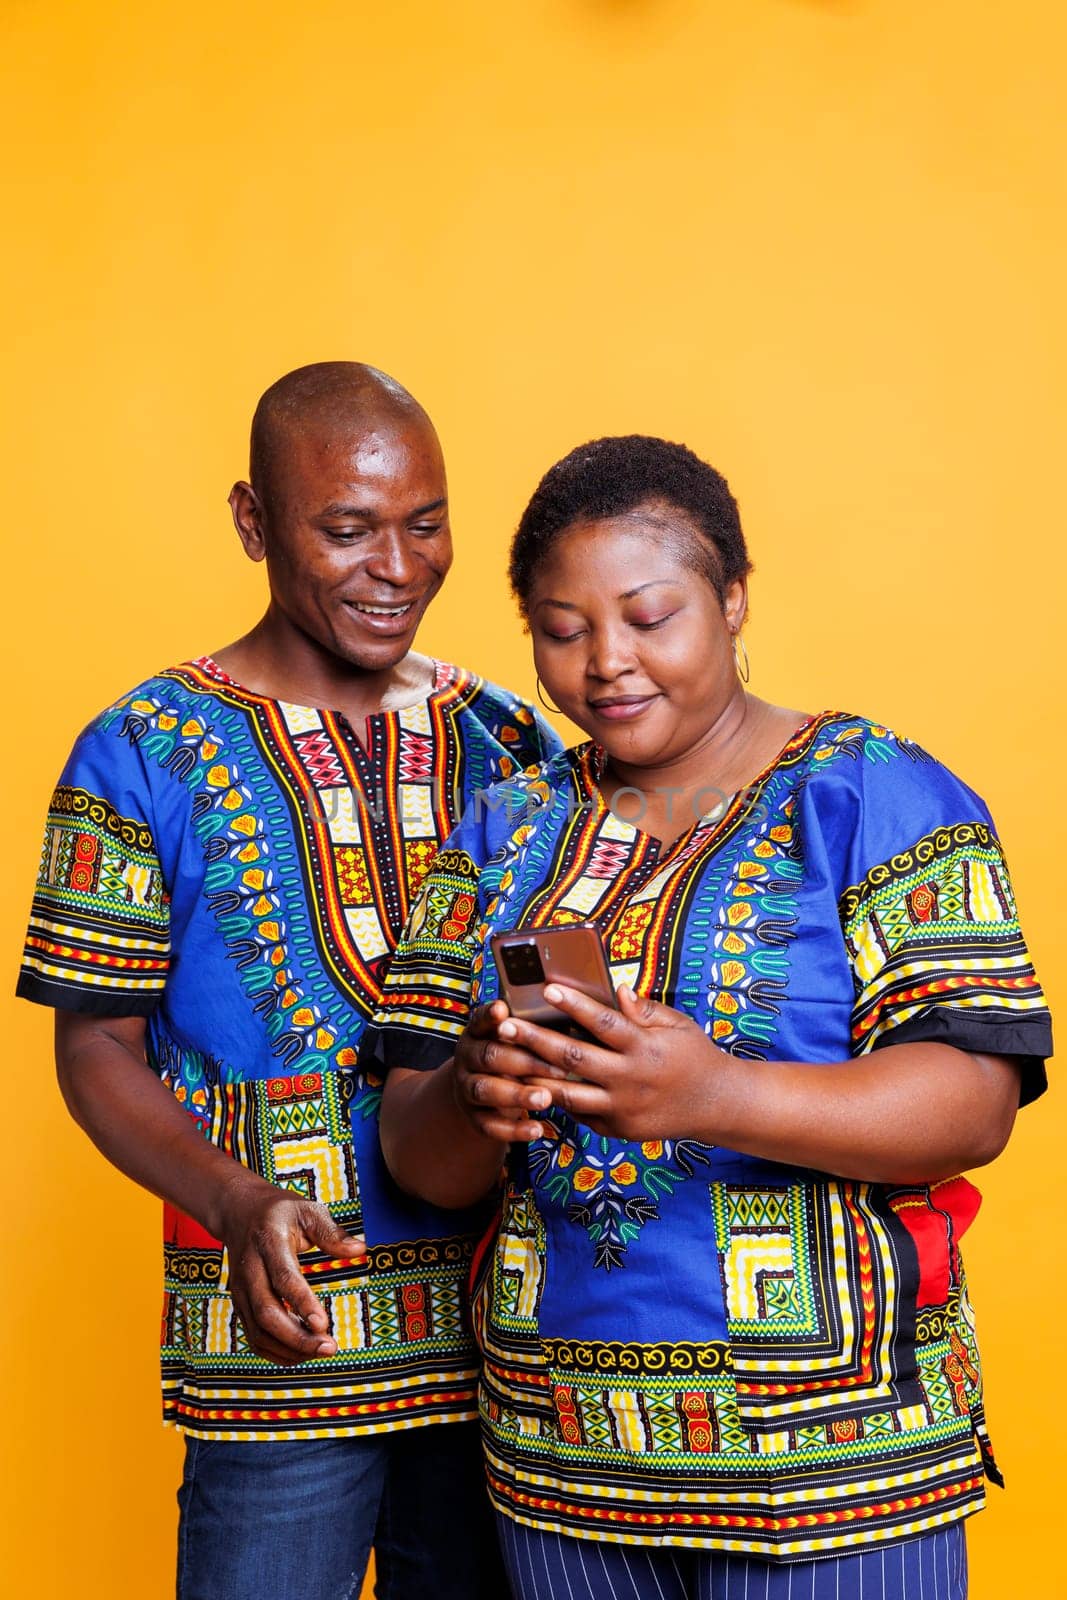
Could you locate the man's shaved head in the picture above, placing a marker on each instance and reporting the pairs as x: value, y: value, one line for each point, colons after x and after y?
x: 325, y: 399
x: 348, y: 506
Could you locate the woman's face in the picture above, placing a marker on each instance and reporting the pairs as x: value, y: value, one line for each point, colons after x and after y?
x: 630, y: 640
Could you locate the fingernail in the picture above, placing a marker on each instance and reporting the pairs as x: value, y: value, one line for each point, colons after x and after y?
x: 553, y: 993
x: 540, y: 1098
x: 506, y: 1030
x: 534, y: 1130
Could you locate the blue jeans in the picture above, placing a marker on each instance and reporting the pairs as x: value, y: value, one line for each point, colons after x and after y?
x: 295, y: 1520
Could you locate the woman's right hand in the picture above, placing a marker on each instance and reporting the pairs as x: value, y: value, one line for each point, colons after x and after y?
x: 489, y: 1080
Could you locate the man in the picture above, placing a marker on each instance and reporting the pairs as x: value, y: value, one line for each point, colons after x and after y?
x: 229, y: 860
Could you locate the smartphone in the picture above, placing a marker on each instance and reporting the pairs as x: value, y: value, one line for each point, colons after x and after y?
x: 529, y: 958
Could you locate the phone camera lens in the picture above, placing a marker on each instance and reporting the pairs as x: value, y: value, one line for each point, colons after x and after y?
x: 522, y: 963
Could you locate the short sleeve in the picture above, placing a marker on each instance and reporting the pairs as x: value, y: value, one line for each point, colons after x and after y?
x: 930, y: 920
x: 522, y: 736
x: 536, y: 741
x: 427, y: 994
x: 98, y: 939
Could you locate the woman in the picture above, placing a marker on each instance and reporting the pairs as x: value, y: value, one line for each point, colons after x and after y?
x: 724, y: 1318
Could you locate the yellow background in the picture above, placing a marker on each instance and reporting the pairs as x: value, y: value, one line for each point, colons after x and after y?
x: 824, y: 243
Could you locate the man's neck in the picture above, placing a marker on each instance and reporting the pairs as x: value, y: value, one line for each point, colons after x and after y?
x: 298, y: 670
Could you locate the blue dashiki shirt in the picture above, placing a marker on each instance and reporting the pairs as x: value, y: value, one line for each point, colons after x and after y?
x: 684, y: 1344
x: 237, y: 870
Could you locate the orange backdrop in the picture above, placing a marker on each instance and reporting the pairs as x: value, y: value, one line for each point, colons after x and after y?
x: 824, y: 243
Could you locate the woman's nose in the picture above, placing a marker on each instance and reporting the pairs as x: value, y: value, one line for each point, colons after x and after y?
x: 609, y: 655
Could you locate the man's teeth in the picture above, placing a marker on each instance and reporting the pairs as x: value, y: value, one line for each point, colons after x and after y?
x: 384, y: 611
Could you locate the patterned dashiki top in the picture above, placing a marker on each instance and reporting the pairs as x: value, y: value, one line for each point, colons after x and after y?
x: 683, y: 1344
x: 238, y: 870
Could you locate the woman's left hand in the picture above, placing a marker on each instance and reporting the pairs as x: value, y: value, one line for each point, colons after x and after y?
x: 650, y: 1074
x: 904, y: 1113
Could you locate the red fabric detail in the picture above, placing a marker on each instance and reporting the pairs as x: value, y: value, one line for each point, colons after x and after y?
x: 936, y: 1225
x: 960, y: 1198
x: 481, y: 1249
x: 182, y: 1230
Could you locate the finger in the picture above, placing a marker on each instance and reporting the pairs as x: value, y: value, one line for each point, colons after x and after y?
x: 606, y: 1023
x: 286, y: 1283
x: 637, y: 1008
x: 508, y: 1130
x: 582, y: 1101
x: 485, y: 1020
x: 269, y: 1349
x: 512, y: 1033
x: 500, y: 1058
x: 261, y: 1344
x: 321, y: 1232
x: 279, y: 1322
x: 273, y: 1330
x: 495, y: 1094
x: 564, y: 1055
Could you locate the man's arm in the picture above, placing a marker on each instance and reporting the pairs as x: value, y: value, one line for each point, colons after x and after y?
x: 136, y: 1122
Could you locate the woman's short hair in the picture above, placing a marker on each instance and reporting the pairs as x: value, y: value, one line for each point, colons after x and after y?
x: 609, y: 477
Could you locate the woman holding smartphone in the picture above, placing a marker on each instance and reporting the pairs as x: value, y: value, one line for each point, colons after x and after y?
x: 724, y: 1318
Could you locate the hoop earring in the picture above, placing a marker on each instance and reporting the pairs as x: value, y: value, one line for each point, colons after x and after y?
x: 741, y: 661
x: 545, y: 700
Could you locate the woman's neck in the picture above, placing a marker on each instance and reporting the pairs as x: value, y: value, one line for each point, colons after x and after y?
x: 667, y: 798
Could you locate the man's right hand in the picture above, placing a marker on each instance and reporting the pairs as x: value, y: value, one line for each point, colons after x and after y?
x: 264, y: 1230
x: 133, y: 1117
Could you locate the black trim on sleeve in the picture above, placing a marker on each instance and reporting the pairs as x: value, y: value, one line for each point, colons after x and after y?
x: 66, y: 997
x: 1028, y: 1039
x: 384, y: 1047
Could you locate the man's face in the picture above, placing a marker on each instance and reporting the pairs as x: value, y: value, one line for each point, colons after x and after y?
x: 356, y: 537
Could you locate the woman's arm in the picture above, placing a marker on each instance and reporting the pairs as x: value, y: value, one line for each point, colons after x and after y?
x: 443, y: 1136
x: 907, y: 1113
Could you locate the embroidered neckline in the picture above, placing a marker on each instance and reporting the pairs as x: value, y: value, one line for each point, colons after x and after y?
x: 447, y: 679
x: 589, y: 759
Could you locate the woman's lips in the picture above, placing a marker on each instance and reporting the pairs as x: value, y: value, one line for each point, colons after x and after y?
x: 624, y: 709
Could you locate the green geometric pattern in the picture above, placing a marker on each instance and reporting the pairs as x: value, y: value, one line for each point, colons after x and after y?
x: 752, y: 1211
x: 781, y: 1300
x: 745, y: 1217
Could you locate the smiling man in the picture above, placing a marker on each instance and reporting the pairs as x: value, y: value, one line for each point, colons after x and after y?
x: 229, y: 860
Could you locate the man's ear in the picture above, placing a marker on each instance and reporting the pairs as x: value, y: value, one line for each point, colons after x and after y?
x: 248, y: 520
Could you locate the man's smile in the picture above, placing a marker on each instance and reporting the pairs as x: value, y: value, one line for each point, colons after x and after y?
x: 380, y: 611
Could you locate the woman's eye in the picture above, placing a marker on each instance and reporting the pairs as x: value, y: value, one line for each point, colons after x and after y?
x: 647, y: 623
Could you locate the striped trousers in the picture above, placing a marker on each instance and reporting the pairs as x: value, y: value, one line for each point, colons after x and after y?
x: 552, y: 1566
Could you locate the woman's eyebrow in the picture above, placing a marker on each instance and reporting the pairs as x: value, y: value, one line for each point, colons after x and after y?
x: 627, y: 594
